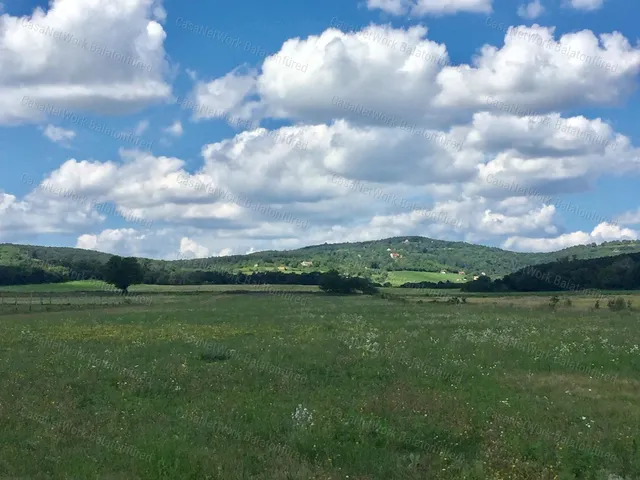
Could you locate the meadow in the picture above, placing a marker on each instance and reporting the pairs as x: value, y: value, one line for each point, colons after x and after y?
x: 399, y: 277
x: 395, y: 277
x: 225, y: 382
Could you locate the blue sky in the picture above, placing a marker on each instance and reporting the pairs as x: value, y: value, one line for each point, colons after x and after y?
x: 260, y: 139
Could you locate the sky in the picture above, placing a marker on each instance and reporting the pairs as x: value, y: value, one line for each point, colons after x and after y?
x: 171, y: 129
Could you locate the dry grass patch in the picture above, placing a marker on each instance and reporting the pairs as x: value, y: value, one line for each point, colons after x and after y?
x: 402, y: 400
x: 578, y: 384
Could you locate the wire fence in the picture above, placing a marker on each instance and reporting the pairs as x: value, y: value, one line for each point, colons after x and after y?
x: 41, y: 302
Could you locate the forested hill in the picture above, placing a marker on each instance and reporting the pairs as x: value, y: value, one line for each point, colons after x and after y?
x: 621, y: 272
x: 42, y: 264
x: 419, y: 253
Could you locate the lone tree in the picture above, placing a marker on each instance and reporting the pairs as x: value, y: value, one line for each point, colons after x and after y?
x: 123, y: 272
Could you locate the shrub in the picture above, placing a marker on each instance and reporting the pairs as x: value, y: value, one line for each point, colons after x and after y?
x: 553, y: 301
x: 363, y: 285
x: 333, y: 282
x: 617, y: 304
x: 214, y: 357
x: 567, y: 302
x: 597, y: 305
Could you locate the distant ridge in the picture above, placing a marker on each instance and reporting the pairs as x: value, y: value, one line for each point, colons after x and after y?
x: 368, y: 258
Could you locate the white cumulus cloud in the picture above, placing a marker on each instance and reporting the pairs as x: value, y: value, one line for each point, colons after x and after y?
x: 79, y: 55
x: 586, y: 5
x: 430, y: 7
x: 58, y: 134
x: 191, y: 249
x: 531, y: 10
x: 175, y: 129
x: 604, y: 232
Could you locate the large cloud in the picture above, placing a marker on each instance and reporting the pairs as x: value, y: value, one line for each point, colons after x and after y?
x: 101, y: 57
x: 35, y: 215
x: 315, y: 183
x: 374, y: 76
x: 115, y: 241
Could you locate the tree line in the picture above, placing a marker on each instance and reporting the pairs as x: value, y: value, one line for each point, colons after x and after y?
x: 124, y: 272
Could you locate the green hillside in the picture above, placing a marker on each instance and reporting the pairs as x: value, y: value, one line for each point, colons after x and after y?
x: 619, y: 272
x: 391, y: 260
x: 35, y: 255
x: 417, y: 253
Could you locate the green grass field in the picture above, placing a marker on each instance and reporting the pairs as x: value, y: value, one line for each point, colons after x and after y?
x: 250, y: 270
x: 396, y: 278
x: 98, y: 286
x: 406, y: 276
x: 283, y: 385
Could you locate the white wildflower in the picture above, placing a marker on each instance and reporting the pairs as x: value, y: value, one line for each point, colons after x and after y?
x: 302, y: 417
